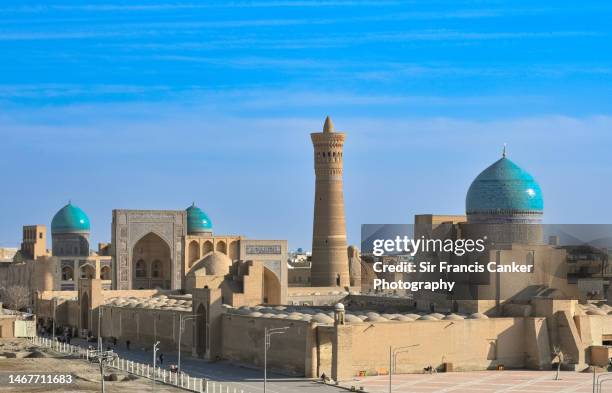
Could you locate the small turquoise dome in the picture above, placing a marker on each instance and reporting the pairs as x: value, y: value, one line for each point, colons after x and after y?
x: 504, y: 188
x: 197, y: 220
x: 70, y: 219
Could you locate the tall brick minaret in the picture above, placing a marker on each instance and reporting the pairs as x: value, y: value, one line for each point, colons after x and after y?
x: 329, y: 249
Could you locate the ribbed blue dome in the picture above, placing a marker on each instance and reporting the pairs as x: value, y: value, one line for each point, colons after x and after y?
x: 504, y: 188
x: 197, y: 220
x: 70, y: 219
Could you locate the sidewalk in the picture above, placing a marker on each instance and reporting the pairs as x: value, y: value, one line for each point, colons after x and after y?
x: 240, y: 378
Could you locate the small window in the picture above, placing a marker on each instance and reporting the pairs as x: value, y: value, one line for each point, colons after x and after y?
x: 141, y: 269
x: 105, y: 273
x: 67, y: 274
x: 88, y: 271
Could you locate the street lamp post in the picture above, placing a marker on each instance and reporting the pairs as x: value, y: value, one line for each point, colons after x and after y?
x: 100, y: 310
x: 154, y: 327
x: 181, y: 328
x: 268, y: 334
x: 390, y: 366
x: 53, y: 327
x: 103, y: 358
x: 155, y: 347
x: 393, y: 360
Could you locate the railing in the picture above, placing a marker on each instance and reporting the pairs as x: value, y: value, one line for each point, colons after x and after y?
x: 181, y: 380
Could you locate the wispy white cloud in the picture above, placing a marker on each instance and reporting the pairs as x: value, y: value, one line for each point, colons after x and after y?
x: 131, y: 31
x: 76, y: 90
x: 253, y: 98
x: 109, y: 7
x: 194, y: 23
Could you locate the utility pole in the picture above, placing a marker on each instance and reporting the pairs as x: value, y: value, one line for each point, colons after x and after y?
x: 268, y: 333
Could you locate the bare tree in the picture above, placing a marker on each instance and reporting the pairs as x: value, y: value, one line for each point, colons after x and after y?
x: 15, y: 297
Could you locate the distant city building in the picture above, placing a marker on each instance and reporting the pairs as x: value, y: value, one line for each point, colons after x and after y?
x: 34, y: 243
x: 299, y: 264
x: 7, y: 254
x: 590, y: 268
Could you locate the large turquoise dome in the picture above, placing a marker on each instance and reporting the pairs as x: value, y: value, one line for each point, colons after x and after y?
x: 197, y: 220
x: 70, y: 219
x: 504, y: 188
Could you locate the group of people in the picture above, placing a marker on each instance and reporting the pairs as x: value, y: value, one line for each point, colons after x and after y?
x: 65, y: 335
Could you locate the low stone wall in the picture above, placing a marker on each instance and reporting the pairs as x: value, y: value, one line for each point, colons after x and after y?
x: 471, y: 344
x: 145, y: 326
x: 290, y: 353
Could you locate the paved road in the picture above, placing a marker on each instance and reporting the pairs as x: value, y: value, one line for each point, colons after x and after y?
x: 245, y: 379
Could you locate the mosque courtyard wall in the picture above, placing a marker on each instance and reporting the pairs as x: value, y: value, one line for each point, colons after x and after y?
x: 142, y: 327
x: 475, y: 344
x: 293, y: 352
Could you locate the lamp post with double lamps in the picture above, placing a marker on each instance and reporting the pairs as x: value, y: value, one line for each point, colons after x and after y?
x: 155, y: 348
x: 268, y: 334
x: 393, y: 352
x: 182, y: 320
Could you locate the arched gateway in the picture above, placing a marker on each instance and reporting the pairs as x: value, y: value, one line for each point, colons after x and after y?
x: 151, y: 263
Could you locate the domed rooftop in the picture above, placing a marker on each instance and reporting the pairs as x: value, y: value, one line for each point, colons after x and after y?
x: 70, y: 219
x: 197, y: 220
x: 215, y: 264
x: 504, y: 188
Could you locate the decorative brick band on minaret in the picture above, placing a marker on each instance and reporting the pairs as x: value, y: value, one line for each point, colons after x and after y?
x: 329, y: 255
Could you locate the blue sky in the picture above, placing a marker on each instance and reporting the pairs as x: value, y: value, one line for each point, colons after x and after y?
x: 155, y: 104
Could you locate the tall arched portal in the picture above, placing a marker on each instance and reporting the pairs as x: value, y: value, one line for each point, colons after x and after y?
x: 201, y: 331
x: 272, y: 287
x: 151, y: 263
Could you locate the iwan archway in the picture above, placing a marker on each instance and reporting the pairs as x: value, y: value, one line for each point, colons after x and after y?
x: 151, y: 263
